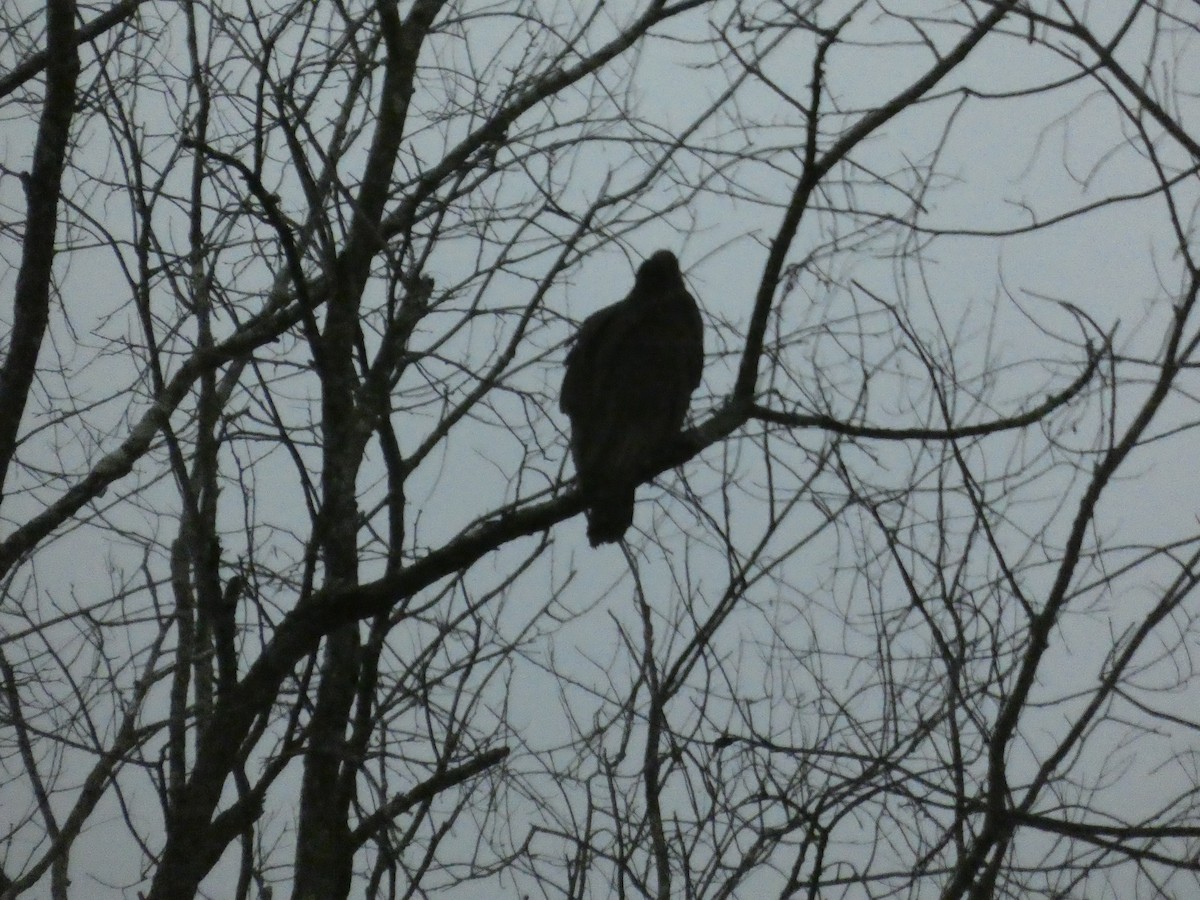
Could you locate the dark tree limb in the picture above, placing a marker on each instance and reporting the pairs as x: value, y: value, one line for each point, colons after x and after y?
x: 22, y: 72
x: 31, y: 303
x: 426, y: 790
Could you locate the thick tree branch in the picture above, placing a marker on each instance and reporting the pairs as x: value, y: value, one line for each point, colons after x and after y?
x: 31, y: 302
x: 22, y: 72
x: 426, y: 790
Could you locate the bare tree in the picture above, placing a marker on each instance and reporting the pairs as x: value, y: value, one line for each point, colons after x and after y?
x: 296, y: 595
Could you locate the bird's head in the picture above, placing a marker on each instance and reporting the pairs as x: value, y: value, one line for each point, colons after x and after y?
x: 660, y: 269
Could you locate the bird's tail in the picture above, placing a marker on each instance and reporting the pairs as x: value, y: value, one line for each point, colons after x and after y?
x: 610, y: 515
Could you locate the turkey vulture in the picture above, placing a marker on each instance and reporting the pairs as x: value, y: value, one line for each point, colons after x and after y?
x: 629, y: 379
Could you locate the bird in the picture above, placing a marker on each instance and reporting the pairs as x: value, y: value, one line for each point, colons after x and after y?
x: 629, y: 379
